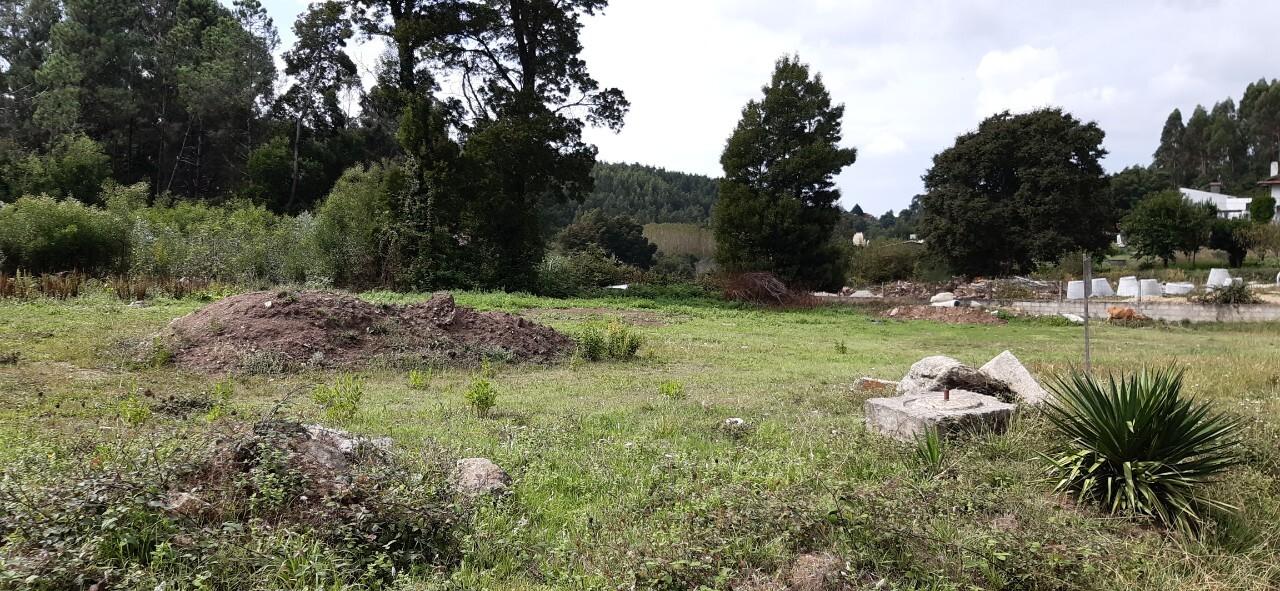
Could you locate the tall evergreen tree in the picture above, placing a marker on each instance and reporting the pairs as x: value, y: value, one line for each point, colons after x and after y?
x: 777, y: 205
x: 1170, y: 157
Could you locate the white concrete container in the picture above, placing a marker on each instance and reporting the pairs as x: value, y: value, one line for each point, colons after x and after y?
x: 1178, y: 289
x: 1075, y: 290
x: 1149, y: 287
x: 1128, y: 287
x: 1101, y: 289
x: 1218, y: 278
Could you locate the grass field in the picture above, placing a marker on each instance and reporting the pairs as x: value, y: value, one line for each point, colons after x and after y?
x: 618, y: 487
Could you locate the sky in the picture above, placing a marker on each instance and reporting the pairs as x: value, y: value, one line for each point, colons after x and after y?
x: 912, y: 74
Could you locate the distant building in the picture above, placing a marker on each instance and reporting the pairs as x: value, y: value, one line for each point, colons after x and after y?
x: 1274, y: 182
x: 1229, y: 206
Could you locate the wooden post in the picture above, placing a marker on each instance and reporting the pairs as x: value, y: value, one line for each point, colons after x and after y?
x: 1088, y: 293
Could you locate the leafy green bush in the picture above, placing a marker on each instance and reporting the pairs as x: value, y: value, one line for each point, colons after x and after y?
x: 482, y: 395
x: 351, y: 224
x: 340, y: 400
x: 581, y: 272
x: 75, y: 167
x: 885, y: 261
x: 237, y: 242
x: 44, y: 235
x: 623, y: 341
x: 614, y: 341
x: 1136, y: 445
x: 592, y: 343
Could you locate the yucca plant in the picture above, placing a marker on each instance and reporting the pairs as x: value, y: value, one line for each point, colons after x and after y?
x: 1135, y: 445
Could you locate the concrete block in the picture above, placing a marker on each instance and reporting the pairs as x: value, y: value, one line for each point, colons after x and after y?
x: 1101, y: 289
x: 945, y: 296
x: 869, y: 384
x: 1128, y: 287
x: 1218, y: 278
x: 1149, y: 287
x: 1075, y: 290
x: 907, y: 418
x: 1178, y: 289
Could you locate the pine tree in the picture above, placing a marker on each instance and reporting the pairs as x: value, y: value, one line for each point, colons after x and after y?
x: 777, y: 205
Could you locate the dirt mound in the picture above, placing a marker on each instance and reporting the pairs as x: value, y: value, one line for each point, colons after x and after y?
x: 279, y: 331
x: 946, y: 315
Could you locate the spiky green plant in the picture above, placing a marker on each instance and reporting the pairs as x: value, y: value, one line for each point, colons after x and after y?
x: 1136, y: 445
x: 930, y: 452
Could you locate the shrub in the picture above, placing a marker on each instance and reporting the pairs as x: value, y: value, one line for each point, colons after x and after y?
x: 1230, y: 295
x: 624, y: 341
x: 581, y: 272
x: 671, y: 390
x: 885, y: 261
x: 620, y: 237
x: 614, y: 341
x: 592, y: 344
x: 340, y: 400
x: 482, y: 395
x: 133, y: 410
x: 420, y: 379
x: 75, y: 167
x: 673, y: 268
x: 41, y: 234
x: 220, y: 394
x: 1135, y: 445
x: 351, y: 223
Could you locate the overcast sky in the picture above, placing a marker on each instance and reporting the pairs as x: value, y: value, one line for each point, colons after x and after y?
x: 912, y: 74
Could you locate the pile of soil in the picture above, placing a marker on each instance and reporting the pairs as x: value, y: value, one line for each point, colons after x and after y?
x: 328, y: 329
x: 945, y: 315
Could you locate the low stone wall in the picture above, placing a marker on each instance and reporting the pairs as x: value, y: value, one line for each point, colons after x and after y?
x: 1166, y: 311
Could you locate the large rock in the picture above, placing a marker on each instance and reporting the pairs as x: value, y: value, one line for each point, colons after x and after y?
x: 335, y: 449
x: 479, y: 476
x: 1006, y: 368
x: 939, y: 373
x: 907, y: 418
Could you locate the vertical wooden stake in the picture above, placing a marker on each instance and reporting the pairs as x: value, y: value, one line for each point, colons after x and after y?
x: 1088, y: 293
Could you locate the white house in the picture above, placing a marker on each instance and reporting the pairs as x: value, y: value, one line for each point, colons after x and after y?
x: 1274, y: 183
x: 1228, y: 206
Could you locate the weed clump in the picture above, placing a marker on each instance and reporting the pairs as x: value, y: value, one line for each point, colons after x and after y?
x: 671, y: 390
x: 341, y: 399
x: 233, y: 508
x: 616, y: 341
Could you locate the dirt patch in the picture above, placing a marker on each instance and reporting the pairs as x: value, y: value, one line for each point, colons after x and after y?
x: 635, y: 317
x: 279, y: 331
x: 945, y: 315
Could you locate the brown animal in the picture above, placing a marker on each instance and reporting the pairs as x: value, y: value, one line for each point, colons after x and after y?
x: 1122, y: 313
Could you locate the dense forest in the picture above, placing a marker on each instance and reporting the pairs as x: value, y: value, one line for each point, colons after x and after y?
x: 646, y: 194
x: 471, y: 130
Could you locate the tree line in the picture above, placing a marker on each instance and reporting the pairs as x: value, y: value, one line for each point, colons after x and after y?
x: 180, y: 95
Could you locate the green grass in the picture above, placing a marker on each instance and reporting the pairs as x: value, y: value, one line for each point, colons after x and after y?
x: 617, y: 485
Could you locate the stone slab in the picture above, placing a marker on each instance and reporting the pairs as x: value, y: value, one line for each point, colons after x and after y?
x: 869, y: 384
x: 1006, y: 368
x: 907, y: 418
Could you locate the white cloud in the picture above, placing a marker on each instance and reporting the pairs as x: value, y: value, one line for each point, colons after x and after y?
x: 1019, y: 80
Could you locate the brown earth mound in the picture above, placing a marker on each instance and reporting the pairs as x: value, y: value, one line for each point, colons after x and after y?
x: 947, y: 315
x: 286, y: 330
